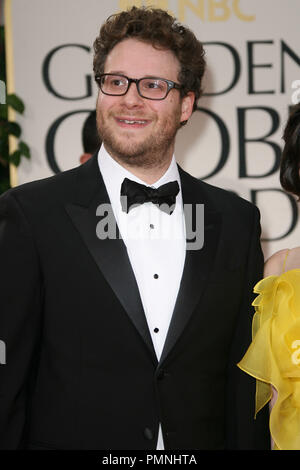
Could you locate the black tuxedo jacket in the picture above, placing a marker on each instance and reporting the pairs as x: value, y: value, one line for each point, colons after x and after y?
x: 81, y: 371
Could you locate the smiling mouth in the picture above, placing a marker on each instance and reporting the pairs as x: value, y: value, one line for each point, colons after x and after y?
x: 133, y: 121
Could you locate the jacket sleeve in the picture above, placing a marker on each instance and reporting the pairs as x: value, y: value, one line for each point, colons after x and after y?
x: 243, y: 431
x: 20, y: 319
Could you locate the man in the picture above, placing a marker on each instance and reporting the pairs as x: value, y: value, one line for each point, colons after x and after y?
x: 130, y: 341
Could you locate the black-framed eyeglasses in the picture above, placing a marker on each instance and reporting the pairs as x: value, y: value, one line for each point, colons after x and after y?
x: 151, y: 88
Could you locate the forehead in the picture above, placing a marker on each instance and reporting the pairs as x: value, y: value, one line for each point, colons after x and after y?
x: 139, y: 59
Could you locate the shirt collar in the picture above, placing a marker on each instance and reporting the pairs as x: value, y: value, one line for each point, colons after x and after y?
x: 113, y: 175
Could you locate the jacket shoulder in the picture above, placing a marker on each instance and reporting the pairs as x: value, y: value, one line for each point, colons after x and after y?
x: 52, y: 186
x: 222, y: 199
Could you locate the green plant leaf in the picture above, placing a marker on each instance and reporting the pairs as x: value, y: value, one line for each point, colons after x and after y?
x: 3, y: 111
x: 15, y: 102
x: 4, y: 185
x: 14, y: 129
x: 24, y: 149
x: 3, y: 149
x: 3, y: 130
x: 15, y: 157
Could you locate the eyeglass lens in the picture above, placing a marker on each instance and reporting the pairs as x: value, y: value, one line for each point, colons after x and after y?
x: 148, y: 87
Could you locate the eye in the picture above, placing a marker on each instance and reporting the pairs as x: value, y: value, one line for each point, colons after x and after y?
x: 153, y: 84
x: 116, y: 82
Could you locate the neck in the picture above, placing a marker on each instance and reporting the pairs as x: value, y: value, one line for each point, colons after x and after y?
x: 148, y: 175
x: 148, y: 170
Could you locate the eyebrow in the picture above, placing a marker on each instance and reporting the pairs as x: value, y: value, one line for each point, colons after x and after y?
x: 118, y: 72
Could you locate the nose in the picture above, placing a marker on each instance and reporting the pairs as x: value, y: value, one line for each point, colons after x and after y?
x: 132, y: 97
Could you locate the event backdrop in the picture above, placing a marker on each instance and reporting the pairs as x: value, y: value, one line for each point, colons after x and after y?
x: 233, y: 140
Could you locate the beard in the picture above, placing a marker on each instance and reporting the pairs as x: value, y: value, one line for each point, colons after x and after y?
x: 150, y: 152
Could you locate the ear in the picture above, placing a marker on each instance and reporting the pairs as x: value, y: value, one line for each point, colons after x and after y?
x: 187, y: 104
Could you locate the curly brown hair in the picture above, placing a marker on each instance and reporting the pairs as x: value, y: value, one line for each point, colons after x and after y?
x: 157, y: 27
x: 290, y: 160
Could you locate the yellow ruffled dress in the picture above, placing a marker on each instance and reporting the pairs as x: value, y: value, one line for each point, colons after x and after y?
x: 273, y: 357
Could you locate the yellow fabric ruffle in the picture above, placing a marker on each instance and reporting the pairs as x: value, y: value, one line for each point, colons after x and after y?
x: 273, y: 357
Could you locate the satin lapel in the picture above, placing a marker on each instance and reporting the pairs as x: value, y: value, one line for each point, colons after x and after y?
x: 198, y: 263
x: 110, y: 255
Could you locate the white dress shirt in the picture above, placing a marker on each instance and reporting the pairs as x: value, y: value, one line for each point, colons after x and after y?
x: 155, y: 243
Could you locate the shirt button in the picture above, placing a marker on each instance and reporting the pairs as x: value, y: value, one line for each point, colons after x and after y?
x: 155, y: 276
x: 156, y: 330
x: 151, y: 226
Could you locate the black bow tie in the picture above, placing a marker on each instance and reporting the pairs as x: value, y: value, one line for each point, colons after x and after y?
x: 135, y: 193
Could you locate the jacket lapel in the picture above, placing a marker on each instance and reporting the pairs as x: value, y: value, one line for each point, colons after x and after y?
x: 112, y: 259
x: 198, y: 263
x: 110, y: 254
